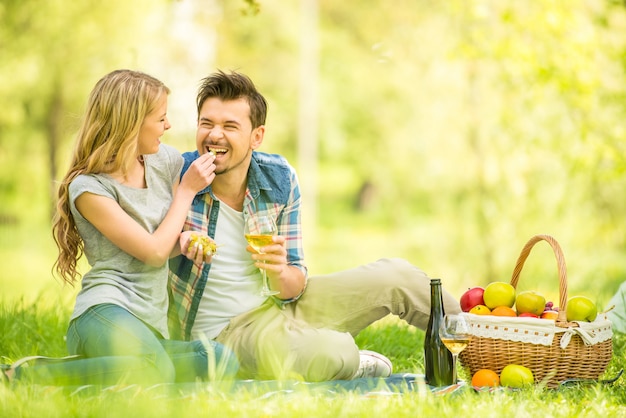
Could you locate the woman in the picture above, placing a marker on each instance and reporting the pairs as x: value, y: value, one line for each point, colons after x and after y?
x: 121, y: 204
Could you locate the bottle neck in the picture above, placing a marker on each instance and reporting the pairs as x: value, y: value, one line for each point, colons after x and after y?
x: 436, y: 299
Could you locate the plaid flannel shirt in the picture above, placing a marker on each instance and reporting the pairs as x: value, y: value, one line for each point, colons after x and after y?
x: 272, y: 188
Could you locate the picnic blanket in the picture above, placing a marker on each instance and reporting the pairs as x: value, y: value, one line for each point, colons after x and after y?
x: 396, y: 384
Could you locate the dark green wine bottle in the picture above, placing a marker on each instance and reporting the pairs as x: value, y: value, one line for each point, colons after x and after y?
x: 437, y: 358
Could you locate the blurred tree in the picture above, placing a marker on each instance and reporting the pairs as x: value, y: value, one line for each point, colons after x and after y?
x: 51, y: 51
x: 477, y: 123
x: 539, y: 143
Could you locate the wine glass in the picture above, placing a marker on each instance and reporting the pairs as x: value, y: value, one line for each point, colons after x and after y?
x: 454, y: 332
x: 259, y: 230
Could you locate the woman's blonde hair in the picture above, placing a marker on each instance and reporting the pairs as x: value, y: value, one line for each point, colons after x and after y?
x: 106, y: 143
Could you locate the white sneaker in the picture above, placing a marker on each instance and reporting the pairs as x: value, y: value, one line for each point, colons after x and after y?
x: 373, y: 365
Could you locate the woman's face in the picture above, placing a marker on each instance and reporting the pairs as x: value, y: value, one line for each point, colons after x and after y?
x: 153, y: 127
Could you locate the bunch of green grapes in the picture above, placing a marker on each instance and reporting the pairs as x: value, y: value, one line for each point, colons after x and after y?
x: 208, y: 247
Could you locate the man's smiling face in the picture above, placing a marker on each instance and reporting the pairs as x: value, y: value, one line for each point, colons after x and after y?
x: 224, y: 128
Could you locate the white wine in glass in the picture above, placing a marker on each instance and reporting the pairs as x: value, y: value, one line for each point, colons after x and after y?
x: 455, y: 334
x: 259, y: 232
x: 455, y: 345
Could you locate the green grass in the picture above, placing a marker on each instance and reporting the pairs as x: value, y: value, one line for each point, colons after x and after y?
x: 27, y: 329
x: 34, y: 312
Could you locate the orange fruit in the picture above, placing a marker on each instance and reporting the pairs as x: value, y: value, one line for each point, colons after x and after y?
x: 480, y: 310
x: 550, y: 315
x: 503, y: 311
x: 485, y: 377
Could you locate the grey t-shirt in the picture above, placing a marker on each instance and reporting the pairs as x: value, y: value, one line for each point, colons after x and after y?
x: 116, y: 276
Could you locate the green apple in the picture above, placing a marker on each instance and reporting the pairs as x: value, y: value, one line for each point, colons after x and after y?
x: 516, y: 376
x: 581, y: 308
x: 530, y: 302
x: 499, y: 294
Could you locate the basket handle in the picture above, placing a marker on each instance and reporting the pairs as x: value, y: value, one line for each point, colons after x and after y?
x: 560, y: 263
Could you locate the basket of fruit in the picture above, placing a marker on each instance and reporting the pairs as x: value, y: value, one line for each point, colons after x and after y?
x: 571, y: 341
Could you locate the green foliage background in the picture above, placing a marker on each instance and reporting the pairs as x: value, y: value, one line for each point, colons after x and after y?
x: 445, y: 132
x: 471, y: 125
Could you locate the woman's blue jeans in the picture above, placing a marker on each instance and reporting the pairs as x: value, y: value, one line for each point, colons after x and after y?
x: 116, y: 347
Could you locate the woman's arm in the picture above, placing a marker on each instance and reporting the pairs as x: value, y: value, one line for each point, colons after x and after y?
x: 106, y: 215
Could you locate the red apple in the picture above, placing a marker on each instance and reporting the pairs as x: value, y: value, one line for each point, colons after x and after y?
x: 471, y: 298
x: 528, y: 315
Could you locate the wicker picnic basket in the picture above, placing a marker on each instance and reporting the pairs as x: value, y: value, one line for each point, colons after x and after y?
x: 555, y: 350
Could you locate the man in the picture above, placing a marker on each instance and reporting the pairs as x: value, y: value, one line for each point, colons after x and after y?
x: 617, y: 309
x: 307, y: 330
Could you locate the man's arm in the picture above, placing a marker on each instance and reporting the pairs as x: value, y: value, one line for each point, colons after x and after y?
x: 288, y: 279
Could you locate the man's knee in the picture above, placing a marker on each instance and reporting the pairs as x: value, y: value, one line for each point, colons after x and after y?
x: 333, y: 356
x: 401, y: 270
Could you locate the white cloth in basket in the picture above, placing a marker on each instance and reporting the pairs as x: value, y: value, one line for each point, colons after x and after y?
x: 590, y: 332
x: 536, y: 330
